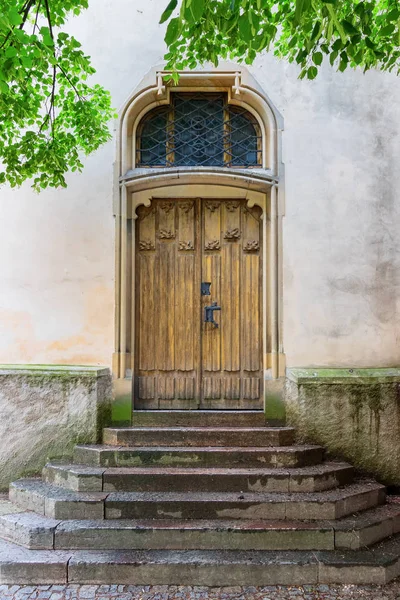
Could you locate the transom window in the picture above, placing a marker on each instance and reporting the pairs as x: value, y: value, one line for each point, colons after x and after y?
x: 199, y: 130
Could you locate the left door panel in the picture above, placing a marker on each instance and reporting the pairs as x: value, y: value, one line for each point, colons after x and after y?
x: 167, y: 321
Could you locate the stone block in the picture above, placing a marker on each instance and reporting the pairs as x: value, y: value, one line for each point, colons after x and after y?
x: 21, y: 566
x: 28, y: 529
x: 350, y: 412
x: 57, y: 406
x: 198, y: 418
x: 198, y: 568
x: 74, y: 477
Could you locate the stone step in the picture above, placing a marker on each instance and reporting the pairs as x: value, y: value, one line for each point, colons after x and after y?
x: 355, y: 532
x: 377, y: 565
x: 58, y: 503
x: 198, y: 418
x: 199, y: 436
x: 270, y: 506
x: 278, y: 457
x: 144, y: 479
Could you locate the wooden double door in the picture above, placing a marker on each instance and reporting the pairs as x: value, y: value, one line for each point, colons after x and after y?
x: 184, y: 249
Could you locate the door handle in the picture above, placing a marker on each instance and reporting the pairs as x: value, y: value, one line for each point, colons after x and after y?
x: 209, y: 313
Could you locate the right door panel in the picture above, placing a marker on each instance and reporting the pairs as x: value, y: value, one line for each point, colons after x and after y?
x: 231, y: 261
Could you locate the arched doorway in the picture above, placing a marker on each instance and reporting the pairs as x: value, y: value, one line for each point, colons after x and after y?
x: 199, y: 205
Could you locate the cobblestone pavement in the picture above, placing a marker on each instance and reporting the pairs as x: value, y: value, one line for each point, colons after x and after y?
x: 163, y: 592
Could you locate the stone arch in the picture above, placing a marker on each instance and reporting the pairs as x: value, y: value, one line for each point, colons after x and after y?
x: 261, y: 186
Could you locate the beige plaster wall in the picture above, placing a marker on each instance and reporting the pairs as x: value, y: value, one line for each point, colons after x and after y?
x: 341, y: 259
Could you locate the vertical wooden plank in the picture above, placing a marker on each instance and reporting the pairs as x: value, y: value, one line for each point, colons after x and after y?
x: 251, y: 312
x: 186, y: 319
x: 231, y: 219
x: 166, y: 219
x: 251, y: 228
x: 251, y: 388
x: 184, y: 388
x: 211, y: 341
x: 166, y: 388
x: 186, y: 225
x: 232, y: 388
x: 147, y: 228
x: 146, y: 388
x: 212, y: 225
x: 146, y: 325
x: 216, y: 388
x: 231, y: 287
x: 165, y: 309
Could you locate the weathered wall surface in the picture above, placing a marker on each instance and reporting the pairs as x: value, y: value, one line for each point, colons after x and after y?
x: 44, y: 412
x: 355, y: 414
x: 341, y: 243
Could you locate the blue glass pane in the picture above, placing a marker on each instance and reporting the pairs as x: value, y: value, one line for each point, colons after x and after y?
x: 153, y: 139
x: 243, y: 141
x: 199, y: 130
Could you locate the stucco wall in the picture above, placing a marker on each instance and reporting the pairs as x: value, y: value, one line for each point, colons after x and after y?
x: 341, y: 243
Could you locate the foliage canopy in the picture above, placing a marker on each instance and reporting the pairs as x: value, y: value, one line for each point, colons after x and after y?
x: 49, y: 114
x: 349, y: 33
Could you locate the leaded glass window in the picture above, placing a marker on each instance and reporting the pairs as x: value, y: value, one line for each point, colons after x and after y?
x: 199, y: 130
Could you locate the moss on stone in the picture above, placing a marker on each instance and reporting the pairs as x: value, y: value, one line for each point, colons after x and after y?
x: 355, y: 420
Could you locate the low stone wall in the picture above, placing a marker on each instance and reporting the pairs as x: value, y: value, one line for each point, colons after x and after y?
x: 354, y: 413
x: 45, y: 411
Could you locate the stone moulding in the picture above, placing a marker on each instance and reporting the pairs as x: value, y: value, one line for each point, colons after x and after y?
x: 135, y: 186
x: 45, y: 410
x: 354, y: 413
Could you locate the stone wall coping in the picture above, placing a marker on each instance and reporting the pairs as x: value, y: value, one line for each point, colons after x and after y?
x: 327, y: 376
x: 55, y: 370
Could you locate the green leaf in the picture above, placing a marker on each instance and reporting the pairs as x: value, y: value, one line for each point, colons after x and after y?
x: 317, y: 58
x: 300, y: 7
x: 168, y: 11
x: 349, y: 28
x: 3, y: 87
x: 393, y: 15
x: 245, y: 28
x: 14, y: 17
x: 10, y: 52
x: 312, y: 72
x: 316, y: 30
x: 173, y: 31
x: 197, y: 8
x: 333, y: 57
x: 387, y: 30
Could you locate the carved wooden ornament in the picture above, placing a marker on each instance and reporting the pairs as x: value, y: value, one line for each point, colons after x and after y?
x: 146, y: 245
x: 166, y: 234
x: 212, y: 245
x: 251, y: 246
x: 232, y: 234
x: 212, y: 205
x: 186, y: 245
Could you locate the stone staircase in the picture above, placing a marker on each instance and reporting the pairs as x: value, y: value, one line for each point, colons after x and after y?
x: 199, y: 498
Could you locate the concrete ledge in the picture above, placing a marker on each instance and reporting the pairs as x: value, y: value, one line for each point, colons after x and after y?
x: 45, y: 410
x: 354, y: 413
x: 344, y: 376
